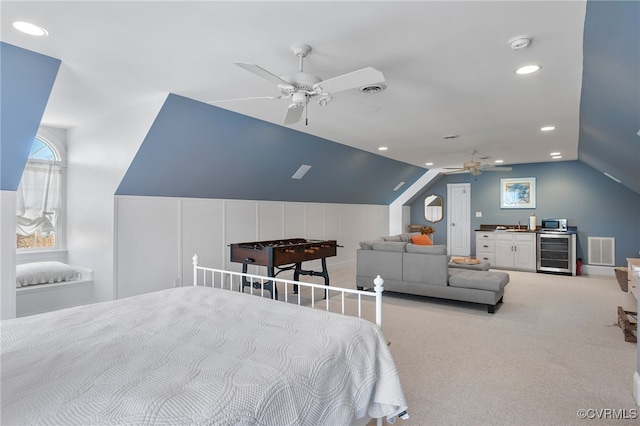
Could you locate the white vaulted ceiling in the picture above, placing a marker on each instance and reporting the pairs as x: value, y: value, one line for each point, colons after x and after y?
x: 448, y: 65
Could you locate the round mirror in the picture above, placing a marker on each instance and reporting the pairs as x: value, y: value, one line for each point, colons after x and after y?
x: 433, y: 208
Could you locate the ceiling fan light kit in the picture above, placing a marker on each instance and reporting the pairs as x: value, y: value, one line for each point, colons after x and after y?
x: 302, y: 86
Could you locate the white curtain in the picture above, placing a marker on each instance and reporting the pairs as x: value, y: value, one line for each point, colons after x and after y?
x: 38, y: 197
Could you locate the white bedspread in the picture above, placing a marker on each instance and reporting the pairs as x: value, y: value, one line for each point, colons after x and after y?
x: 195, y: 355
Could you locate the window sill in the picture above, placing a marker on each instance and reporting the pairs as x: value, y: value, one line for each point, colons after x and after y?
x: 27, y: 256
x: 37, y: 288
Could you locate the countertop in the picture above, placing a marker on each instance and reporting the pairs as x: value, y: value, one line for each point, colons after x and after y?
x: 523, y: 229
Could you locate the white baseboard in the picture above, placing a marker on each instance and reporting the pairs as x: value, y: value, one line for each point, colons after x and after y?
x: 636, y: 388
x: 598, y: 270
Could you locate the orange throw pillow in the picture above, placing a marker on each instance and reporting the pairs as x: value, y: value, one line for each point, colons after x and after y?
x: 422, y: 240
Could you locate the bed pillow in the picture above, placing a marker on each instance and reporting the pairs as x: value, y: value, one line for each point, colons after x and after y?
x: 44, y: 273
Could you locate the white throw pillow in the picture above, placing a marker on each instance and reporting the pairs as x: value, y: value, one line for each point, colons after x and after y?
x: 44, y: 273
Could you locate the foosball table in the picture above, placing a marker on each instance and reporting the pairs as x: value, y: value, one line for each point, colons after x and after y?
x: 283, y: 255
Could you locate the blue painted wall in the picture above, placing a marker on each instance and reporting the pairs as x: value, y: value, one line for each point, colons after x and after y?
x: 197, y: 150
x: 610, y: 99
x: 26, y: 79
x: 598, y: 206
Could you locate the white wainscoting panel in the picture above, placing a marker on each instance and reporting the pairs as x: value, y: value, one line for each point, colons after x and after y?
x: 270, y: 221
x: 294, y: 220
x: 315, y: 219
x: 148, y: 244
x: 241, y: 224
x: 157, y: 237
x: 7, y: 254
x: 202, y: 233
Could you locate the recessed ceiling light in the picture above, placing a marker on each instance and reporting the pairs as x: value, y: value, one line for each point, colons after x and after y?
x: 557, y: 157
x: 30, y: 29
x: 428, y: 164
x: 499, y: 161
x: 382, y: 148
x: 528, y: 69
x: 547, y: 128
x: 554, y: 153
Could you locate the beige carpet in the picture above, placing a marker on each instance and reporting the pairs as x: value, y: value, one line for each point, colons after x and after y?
x: 552, y: 348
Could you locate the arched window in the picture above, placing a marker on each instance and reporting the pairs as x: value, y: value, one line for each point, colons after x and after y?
x: 39, y: 199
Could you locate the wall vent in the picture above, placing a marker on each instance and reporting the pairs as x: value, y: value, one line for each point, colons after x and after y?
x: 602, y: 251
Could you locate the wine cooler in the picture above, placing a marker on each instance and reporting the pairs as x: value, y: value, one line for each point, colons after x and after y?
x: 556, y: 253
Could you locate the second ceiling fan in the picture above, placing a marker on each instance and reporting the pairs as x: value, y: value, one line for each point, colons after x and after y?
x: 301, y: 86
x: 476, y: 167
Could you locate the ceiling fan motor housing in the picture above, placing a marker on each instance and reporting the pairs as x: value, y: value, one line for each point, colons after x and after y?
x: 302, y: 80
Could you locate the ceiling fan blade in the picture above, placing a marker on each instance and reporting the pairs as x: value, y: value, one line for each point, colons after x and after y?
x: 350, y: 80
x: 245, y: 99
x: 294, y: 113
x: 454, y: 171
x: 261, y: 72
x: 491, y: 168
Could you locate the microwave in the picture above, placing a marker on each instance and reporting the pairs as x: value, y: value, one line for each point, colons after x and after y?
x: 558, y: 225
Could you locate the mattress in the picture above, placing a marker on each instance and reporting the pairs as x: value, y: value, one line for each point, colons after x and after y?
x: 195, y: 355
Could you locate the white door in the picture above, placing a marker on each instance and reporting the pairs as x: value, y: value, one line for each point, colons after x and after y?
x: 458, y: 219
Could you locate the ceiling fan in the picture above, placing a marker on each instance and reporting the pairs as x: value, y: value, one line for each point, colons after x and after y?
x: 301, y: 86
x: 476, y: 167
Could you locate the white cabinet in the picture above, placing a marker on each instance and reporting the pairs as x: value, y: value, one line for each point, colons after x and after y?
x: 633, y: 271
x: 511, y: 250
x: 485, y: 246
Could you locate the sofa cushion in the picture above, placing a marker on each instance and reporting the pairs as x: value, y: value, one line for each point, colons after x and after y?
x: 395, y: 246
x: 366, y: 245
x: 371, y: 263
x: 405, y: 237
x: 481, y: 280
x: 424, y: 268
x: 395, y: 238
x: 433, y: 249
x: 422, y: 240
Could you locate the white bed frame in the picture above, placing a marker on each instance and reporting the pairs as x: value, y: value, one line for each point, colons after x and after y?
x: 222, y: 279
x: 219, y: 278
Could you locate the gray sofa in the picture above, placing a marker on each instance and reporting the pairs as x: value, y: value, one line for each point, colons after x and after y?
x: 424, y: 270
